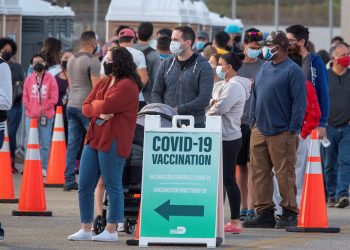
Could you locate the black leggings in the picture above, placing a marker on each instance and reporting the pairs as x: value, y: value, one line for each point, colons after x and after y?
x: 230, y: 151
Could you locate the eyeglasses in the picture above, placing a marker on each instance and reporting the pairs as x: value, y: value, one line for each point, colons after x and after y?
x: 255, y: 33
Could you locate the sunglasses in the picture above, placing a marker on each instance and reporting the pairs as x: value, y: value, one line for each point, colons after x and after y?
x: 254, y: 33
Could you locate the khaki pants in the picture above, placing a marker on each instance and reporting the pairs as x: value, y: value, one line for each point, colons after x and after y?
x: 278, y: 152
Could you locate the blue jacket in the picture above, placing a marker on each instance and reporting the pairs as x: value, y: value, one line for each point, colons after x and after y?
x: 318, y: 75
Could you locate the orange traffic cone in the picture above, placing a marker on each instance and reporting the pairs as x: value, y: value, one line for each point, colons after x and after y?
x: 135, y: 242
x: 7, y: 194
x: 57, y: 161
x: 313, y: 211
x: 32, y: 196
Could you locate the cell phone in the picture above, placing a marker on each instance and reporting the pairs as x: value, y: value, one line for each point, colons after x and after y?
x: 99, y: 121
x: 43, y: 120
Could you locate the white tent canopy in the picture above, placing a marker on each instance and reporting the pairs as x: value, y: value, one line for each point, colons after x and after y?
x: 166, y: 11
x: 33, y: 8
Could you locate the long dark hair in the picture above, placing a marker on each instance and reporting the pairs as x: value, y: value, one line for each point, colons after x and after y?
x: 52, y: 51
x: 123, y: 65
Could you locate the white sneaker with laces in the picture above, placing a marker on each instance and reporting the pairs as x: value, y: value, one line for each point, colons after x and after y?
x: 106, y: 236
x: 120, y: 227
x: 43, y: 172
x: 80, y: 235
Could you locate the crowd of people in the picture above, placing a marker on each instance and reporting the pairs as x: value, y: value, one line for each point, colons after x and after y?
x: 271, y: 91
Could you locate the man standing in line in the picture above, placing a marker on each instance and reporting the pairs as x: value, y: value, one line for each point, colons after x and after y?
x: 249, y: 69
x: 83, y: 73
x: 185, y: 80
x: 5, y: 105
x: 337, y: 156
x: 316, y: 72
x: 278, y: 105
x: 145, y: 32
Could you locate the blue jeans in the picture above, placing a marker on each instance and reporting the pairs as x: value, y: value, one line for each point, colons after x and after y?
x: 2, y: 138
x: 93, y: 164
x: 14, y: 116
x: 44, y: 133
x: 77, y: 126
x: 337, y: 162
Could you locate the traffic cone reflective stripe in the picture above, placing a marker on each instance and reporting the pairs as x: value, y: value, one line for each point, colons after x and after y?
x: 313, y: 210
x: 7, y: 194
x: 57, y: 160
x: 32, y: 196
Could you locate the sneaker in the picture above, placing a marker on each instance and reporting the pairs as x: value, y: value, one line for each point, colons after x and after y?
x: 243, y: 214
x: 80, y: 235
x: 342, y: 202
x: 106, y: 236
x: 331, y: 202
x: 43, y: 172
x: 250, y: 214
x: 264, y: 219
x: 120, y: 227
x: 14, y: 169
x: 232, y: 228
x: 70, y: 187
x: 288, y: 219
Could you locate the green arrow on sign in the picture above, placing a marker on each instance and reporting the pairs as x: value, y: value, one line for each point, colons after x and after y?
x: 166, y: 210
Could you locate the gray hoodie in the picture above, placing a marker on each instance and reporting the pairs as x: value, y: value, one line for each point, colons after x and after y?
x: 228, y: 101
x: 189, y: 90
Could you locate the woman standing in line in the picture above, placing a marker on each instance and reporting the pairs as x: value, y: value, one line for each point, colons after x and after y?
x: 112, y: 107
x: 228, y: 99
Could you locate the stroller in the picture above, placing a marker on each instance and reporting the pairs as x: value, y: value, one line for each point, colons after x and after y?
x: 132, y: 175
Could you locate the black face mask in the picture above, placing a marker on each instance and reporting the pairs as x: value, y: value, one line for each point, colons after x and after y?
x: 108, y: 68
x: 39, y: 67
x: 6, y: 55
x: 237, y: 39
x: 64, y: 65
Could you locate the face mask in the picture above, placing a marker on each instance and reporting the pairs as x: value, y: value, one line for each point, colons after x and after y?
x: 237, y: 39
x: 267, y: 54
x: 6, y: 55
x: 344, y: 61
x: 39, y: 67
x: 220, y: 73
x: 253, y: 53
x: 108, y: 68
x: 175, y: 48
x: 64, y: 64
x: 200, y: 45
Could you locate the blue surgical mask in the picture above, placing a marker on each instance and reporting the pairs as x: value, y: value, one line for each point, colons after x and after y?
x: 219, y: 72
x: 267, y: 54
x: 253, y: 53
x: 200, y: 45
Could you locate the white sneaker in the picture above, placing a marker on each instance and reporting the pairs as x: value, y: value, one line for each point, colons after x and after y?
x: 43, y: 172
x: 80, y: 235
x: 120, y: 227
x: 106, y: 236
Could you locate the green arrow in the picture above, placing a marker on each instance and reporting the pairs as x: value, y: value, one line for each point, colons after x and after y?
x: 166, y: 210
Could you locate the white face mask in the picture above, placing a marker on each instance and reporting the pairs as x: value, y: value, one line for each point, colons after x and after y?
x: 175, y: 48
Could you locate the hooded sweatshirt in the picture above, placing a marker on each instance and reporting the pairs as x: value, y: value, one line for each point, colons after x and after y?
x: 188, y: 89
x: 49, y: 96
x: 228, y: 101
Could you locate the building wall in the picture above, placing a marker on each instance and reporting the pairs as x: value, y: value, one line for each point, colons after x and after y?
x: 345, y: 20
x: 13, y: 30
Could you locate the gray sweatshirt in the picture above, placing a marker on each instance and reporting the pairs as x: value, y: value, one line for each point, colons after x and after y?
x: 5, y: 87
x: 228, y: 101
x: 189, y: 90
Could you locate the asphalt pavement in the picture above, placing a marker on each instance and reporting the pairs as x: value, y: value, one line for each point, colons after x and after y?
x: 51, y: 232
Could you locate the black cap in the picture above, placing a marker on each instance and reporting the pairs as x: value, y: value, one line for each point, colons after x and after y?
x: 276, y: 38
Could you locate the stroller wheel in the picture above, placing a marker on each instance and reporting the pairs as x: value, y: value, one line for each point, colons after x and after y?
x: 99, y: 224
x: 129, y: 226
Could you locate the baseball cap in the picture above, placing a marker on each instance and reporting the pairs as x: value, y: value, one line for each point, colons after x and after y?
x: 276, y: 38
x: 232, y: 28
x: 203, y: 34
x: 126, y: 32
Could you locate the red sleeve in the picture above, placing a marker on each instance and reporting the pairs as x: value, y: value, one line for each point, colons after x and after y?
x: 119, y: 99
x: 313, y: 112
x: 88, y: 110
